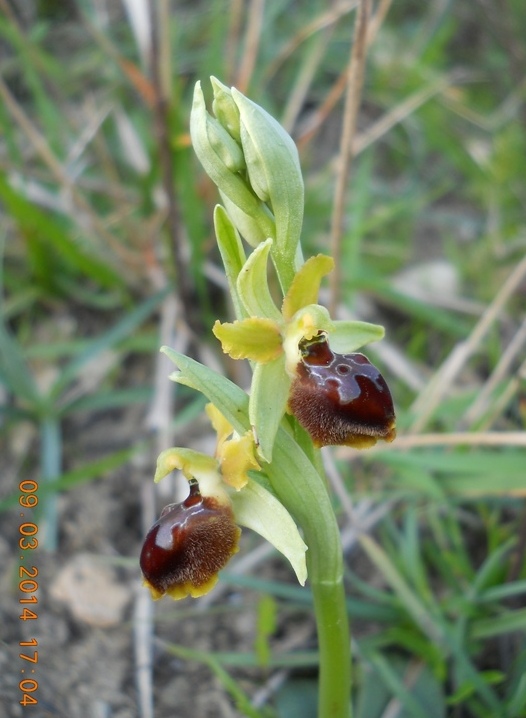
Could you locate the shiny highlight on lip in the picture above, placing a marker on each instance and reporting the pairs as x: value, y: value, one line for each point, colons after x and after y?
x: 188, y: 545
x: 341, y: 398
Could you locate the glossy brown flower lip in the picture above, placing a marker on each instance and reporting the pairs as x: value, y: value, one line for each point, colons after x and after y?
x: 341, y: 399
x: 188, y: 545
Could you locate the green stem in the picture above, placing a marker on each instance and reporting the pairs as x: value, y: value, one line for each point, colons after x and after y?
x: 334, y: 649
x: 308, y: 501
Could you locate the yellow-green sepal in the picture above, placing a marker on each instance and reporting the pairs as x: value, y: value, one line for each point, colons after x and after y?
x: 305, y: 287
x: 257, y: 509
x: 254, y: 338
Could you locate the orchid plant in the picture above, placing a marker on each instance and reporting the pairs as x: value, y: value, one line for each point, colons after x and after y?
x: 309, y: 388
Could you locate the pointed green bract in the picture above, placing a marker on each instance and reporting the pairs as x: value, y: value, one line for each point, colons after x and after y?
x: 229, y: 398
x: 232, y: 254
x: 268, y: 400
x: 252, y: 285
x: 257, y: 509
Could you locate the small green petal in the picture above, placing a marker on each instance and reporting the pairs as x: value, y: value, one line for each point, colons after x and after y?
x: 191, y: 463
x: 255, y: 338
x: 257, y: 509
x: 305, y: 287
x: 268, y: 400
x: 252, y: 284
x: 348, y: 336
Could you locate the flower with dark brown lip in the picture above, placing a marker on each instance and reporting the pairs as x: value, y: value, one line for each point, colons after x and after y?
x: 188, y: 545
x: 192, y: 541
x: 340, y: 398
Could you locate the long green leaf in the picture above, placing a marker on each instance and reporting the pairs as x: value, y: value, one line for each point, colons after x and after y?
x: 14, y: 371
x: 46, y: 235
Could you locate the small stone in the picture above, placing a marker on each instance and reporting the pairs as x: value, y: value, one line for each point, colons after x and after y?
x: 91, y: 591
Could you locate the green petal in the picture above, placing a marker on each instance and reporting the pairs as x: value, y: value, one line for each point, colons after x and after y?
x: 306, y: 284
x: 232, y: 254
x: 256, y: 338
x: 268, y: 399
x: 252, y: 284
x: 349, y: 336
x: 257, y: 509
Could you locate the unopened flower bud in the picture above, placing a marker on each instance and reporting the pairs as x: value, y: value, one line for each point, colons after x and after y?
x: 340, y: 398
x: 222, y: 159
x: 274, y: 171
x: 225, y: 109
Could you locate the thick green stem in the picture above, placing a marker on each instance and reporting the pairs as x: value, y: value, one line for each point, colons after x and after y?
x: 334, y: 648
x: 307, y: 499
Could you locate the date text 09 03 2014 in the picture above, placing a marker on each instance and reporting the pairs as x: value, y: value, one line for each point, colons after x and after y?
x: 28, y: 586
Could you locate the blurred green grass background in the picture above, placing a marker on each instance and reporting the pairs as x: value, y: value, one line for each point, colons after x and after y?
x: 106, y: 227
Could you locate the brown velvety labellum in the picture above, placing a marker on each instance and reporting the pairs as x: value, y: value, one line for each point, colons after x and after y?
x: 188, y: 545
x: 341, y: 398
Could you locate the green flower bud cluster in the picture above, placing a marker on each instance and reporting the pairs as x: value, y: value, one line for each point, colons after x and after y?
x: 256, y: 168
